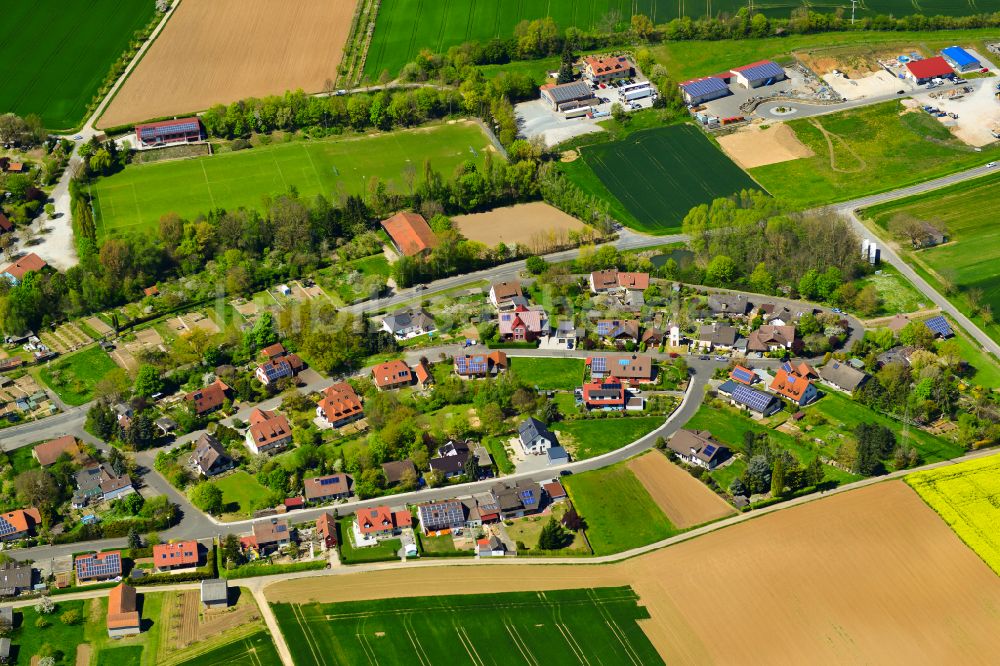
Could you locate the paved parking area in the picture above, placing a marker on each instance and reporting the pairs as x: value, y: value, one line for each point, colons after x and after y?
x: 536, y: 118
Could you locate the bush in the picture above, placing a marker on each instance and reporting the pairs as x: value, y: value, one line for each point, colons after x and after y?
x: 70, y: 618
x: 42, y: 623
x: 239, y: 144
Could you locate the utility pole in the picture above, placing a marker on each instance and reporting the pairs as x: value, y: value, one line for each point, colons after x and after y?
x: 854, y: 6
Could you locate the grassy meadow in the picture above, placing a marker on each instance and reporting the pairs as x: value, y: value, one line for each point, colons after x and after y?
x: 74, y: 377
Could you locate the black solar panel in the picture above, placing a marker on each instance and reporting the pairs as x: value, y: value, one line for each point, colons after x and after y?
x: 939, y: 326
x: 752, y: 398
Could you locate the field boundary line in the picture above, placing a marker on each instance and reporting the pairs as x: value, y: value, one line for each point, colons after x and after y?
x: 300, y: 618
x: 520, y: 643
x: 363, y: 640
x: 411, y: 632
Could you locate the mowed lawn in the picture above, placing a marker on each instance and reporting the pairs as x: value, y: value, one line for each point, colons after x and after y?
x: 135, y: 199
x: 530, y: 628
x: 875, y: 149
x: 74, y: 377
x: 549, y: 374
x: 588, y: 438
x: 619, y: 512
x: 661, y: 174
x: 964, y: 495
x: 971, y: 258
x: 55, y: 54
x: 240, y: 491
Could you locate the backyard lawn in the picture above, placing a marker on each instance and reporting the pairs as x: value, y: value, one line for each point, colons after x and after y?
x: 385, y: 550
x: 527, y: 531
x: 618, y: 510
x: 74, y: 377
x: 28, y: 638
x: 240, y: 491
x: 587, y: 438
x: 549, y: 374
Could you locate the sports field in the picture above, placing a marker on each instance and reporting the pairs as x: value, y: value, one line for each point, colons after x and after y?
x: 661, y: 174
x: 54, y: 54
x: 135, y: 199
x: 970, y: 259
x: 404, y: 27
x: 587, y: 626
x: 965, y: 496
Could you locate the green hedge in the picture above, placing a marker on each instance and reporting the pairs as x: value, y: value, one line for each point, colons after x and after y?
x: 251, y: 570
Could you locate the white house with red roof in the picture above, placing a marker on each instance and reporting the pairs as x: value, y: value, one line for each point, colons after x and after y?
x: 523, y: 325
x: 377, y: 523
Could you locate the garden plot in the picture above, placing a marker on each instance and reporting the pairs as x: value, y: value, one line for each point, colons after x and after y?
x: 125, y: 353
x: 67, y: 338
x: 191, y: 321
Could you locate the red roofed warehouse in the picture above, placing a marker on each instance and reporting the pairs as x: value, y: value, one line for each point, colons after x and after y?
x: 168, y: 556
x: 182, y: 130
x: 410, y: 233
x: 339, y: 405
x: 923, y: 71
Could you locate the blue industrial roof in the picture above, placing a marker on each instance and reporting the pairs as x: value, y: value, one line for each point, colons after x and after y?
x: 959, y: 56
x: 699, y: 87
x: 760, y: 71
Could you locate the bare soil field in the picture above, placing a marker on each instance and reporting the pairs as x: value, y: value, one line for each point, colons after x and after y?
x: 868, y: 576
x: 753, y: 147
x: 685, y: 500
x: 855, y: 60
x: 537, y: 226
x: 220, y: 51
x: 99, y: 326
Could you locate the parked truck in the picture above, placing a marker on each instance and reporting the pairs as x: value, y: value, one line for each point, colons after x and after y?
x: 639, y: 93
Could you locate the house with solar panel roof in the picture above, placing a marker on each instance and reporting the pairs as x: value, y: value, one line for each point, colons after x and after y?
x: 698, y: 447
x: 756, y: 402
x: 181, y: 130
x: 940, y: 327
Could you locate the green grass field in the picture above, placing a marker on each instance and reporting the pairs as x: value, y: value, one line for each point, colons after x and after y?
x: 130, y: 655
x: 875, y: 149
x: 964, y: 495
x: 405, y: 27
x: 54, y: 55
x: 588, y: 438
x: 385, y: 551
x: 618, y: 510
x: 254, y: 650
x: 549, y: 374
x: 969, y: 259
x: 531, y: 628
x: 27, y: 639
x: 660, y: 174
x: 135, y: 199
x: 239, y: 492
x: 897, y: 294
x: 74, y: 377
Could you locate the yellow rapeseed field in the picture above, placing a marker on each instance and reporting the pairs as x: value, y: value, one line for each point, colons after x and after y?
x: 967, y: 496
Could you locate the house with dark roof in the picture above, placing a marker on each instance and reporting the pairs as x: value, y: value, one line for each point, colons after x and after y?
x: 618, y: 330
x: 277, y: 368
x: 505, y: 296
x: 410, y: 233
x: 98, y: 483
x: 556, y: 455
x: 15, y: 578
x: 268, y: 432
x: 607, y: 395
x: 209, y: 457
x: 755, y: 401
x: 717, y: 336
x: 209, y: 399
x: 397, y: 470
x: 698, y: 447
x: 793, y: 387
x: 123, y: 612
x: 98, y: 566
x: 898, y: 354
x: 268, y: 535
x: 732, y: 305
x: 442, y: 515
x: 518, y: 499
x: 339, y: 405
x: 535, y: 437
x: 451, y: 459
x: 327, y: 488
x: 178, y: 555
x: 842, y: 376
x: 405, y: 324
x: 391, y: 375
x: 567, y: 96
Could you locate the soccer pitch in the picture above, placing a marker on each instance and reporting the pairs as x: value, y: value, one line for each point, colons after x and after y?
x: 135, y: 199
x: 587, y: 626
x: 54, y: 54
x: 661, y: 174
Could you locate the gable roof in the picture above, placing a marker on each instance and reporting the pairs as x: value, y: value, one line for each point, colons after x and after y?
x: 182, y: 553
x: 567, y: 92
x: 959, y: 56
x: 395, y: 470
x: 790, y: 385
x: 18, y: 521
x: 382, y: 519
x: 638, y: 281
x: 209, y: 398
x: 270, y: 531
x: 339, y: 402
x: 327, y: 486
x: 768, y: 336
x: 403, y: 319
x: 533, y: 321
x: 410, y: 232
x: 267, y: 427
x: 504, y: 291
x: 752, y: 398
x: 531, y: 430
x: 49, y: 452
x: 208, y: 451
x: 391, y: 373
x: 122, y: 608
x: 29, y: 262
x: 697, y: 443
x: 603, y: 280
x: 5, y: 223
x: 842, y: 375
x: 762, y: 69
x: 704, y: 86
x: 718, y: 335
x: 480, y: 363
x: 930, y: 68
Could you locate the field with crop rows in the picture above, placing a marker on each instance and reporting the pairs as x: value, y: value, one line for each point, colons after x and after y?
x: 135, y: 199
x: 54, y: 54
x: 557, y: 627
x: 405, y: 27
x: 661, y: 174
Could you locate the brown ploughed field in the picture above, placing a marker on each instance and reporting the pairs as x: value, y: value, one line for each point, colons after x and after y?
x: 868, y: 576
x: 685, y: 500
x: 221, y: 51
x: 537, y: 226
x: 753, y: 147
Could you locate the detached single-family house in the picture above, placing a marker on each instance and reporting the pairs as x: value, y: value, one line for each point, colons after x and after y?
x: 608, y: 395
x: 728, y: 305
x: 208, y: 399
x: 637, y: 282
x: 842, y: 376
x: 451, y: 459
x: 717, y: 336
x: 505, y: 296
x: 26, y: 264
x: 566, y: 333
x: 215, y: 593
x: 631, y: 368
x: 410, y: 234
x: 268, y: 432
x: 98, y: 566
x: 15, y: 578
x: 49, y: 452
x: 123, y: 612
x: 392, y: 375
x: 898, y: 354
x: 523, y: 325
x: 793, y: 387
x: 327, y: 488
x: 698, y: 447
x: 535, y: 437
x: 326, y: 528
x: 769, y: 338
x: 269, y: 535
x: 381, y: 522
x: 405, y: 324
x: 209, y: 457
x: 98, y: 483
x: 602, y: 69
x: 443, y: 515
x: 422, y: 374
x: 755, y: 401
x: 397, y: 470
x: 280, y: 367
x: 339, y: 405
x: 19, y: 523
x: 521, y: 498
x: 603, y: 281
x: 179, y: 555
x: 480, y: 364
x: 618, y: 330
x: 744, y: 375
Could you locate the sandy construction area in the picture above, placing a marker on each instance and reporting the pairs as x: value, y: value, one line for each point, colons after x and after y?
x: 220, y: 51
x: 753, y: 147
x: 685, y: 500
x: 869, y: 576
x: 536, y: 225
x: 871, y: 85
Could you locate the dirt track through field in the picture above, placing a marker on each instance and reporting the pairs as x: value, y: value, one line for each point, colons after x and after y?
x: 868, y: 576
x: 220, y: 51
x: 753, y: 147
x: 685, y: 500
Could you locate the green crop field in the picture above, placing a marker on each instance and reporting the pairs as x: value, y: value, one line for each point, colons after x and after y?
x: 969, y: 261
x: 549, y: 374
x: 591, y: 626
x: 874, y: 149
x: 405, y: 27
x: 135, y: 199
x: 54, y: 54
x: 661, y: 174
x: 254, y: 650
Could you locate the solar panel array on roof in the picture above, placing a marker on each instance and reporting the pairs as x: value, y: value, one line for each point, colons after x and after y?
x: 743, y: 375
x: 6, y: 529
x: 599, y: 364
x: 761, y: 71
x: 170, y: 129
x: 752, y: 398
x: 939, y: 326
x: 329, y: 480
x: 603, y: 327
x: 787, y: 367
x: 90, y: 566
x: 707, y: 86
x: 709, y: 450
